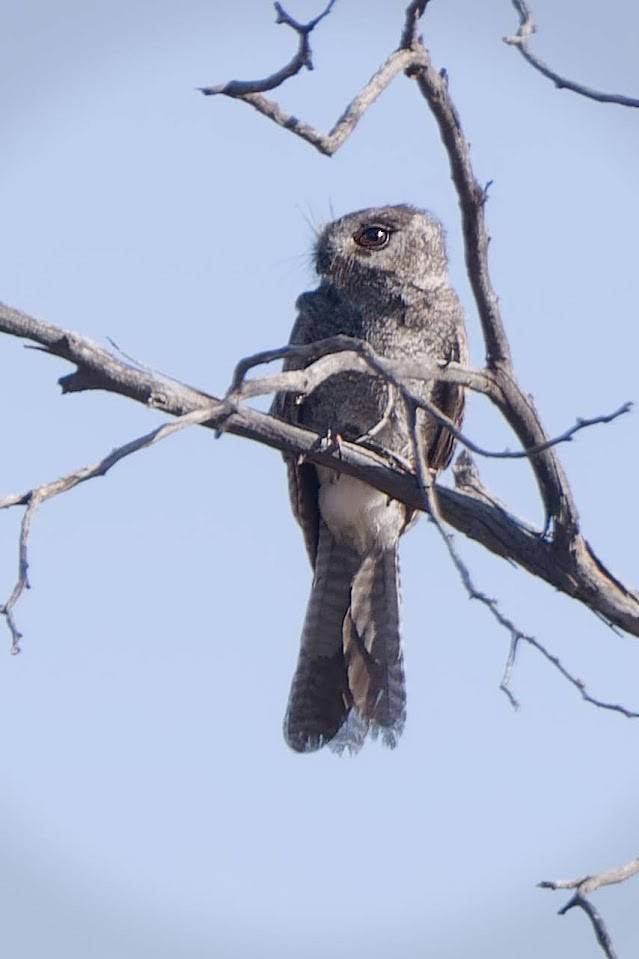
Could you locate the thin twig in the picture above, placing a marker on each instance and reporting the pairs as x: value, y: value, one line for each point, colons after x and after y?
x: 302, y: 59
x: 520, y: 42
x: 133, y: 359
x: 517, y: 637
x: 343, y: 353
x: 430, y: 493
x: 34, y: 498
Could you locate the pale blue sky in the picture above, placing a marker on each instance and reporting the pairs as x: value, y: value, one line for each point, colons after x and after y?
x: 149, y: 806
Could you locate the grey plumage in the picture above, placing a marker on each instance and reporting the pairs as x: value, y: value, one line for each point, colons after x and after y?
x: 384, y: 279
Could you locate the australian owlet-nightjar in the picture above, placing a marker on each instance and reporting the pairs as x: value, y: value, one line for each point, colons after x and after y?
x: 384, y: 279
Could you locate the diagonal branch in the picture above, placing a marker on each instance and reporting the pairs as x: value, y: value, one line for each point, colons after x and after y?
x: 34, y: 498
x: 516, y: 407
x: 472, y: 199
x: 520, y: 42
x: 342, y: 353
x: 518, y: 637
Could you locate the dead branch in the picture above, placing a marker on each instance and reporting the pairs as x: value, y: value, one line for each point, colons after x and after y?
x: 516, y: 407
x: 583, y: 888
x: 575, y: 571
x: 329, y: 143
x: 520, y: 41
x: 34, y: 498
x: 303, y: 58
x: 588, y: 884
x: 340, y: 353
x: 431, y: 507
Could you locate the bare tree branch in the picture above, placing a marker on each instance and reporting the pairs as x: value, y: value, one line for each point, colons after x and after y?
x: 431, y: 506
x: 472, y: 199
x: 34, y: 498
x: 516, y: 407
x: 251, y: 91
x: 575, y: 571
x: 518, y: 637
x: 584, y: 887
x: 588, y: 884
x: 520, y: 41
x: 340, y: 353
x: 303, y: 58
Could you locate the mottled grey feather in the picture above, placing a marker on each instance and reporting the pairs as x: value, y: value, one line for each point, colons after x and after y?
x: 320, y: 698
x: 372, y: 646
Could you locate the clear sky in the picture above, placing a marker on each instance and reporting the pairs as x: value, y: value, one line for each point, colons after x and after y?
x: 148, y: 804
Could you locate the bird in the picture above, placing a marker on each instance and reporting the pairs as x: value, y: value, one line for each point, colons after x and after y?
x: 383, y: 278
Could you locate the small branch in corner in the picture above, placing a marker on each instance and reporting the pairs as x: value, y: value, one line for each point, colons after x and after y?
x: 518, y: 637
x: 520, y: 40
x: 583, y: 888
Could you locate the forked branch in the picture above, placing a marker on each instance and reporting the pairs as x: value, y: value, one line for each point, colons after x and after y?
x: 302, y: 59
x: 584, y: 888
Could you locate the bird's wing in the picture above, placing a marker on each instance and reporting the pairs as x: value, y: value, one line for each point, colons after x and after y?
x: 450, y: 399
x: 303, y: 483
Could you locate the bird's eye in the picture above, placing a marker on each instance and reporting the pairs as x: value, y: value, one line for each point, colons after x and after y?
x: 372, y: 237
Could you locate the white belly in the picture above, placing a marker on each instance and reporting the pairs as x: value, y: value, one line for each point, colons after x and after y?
x: 358, y: 514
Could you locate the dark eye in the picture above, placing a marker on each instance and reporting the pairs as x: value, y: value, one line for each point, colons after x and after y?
x: 372, y: 237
